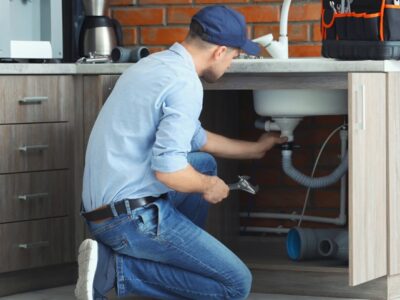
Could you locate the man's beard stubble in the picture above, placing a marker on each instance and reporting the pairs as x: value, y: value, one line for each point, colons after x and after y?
x: 209, y: 76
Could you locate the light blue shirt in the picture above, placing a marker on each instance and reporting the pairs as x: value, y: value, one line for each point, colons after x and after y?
x: 149, y: 123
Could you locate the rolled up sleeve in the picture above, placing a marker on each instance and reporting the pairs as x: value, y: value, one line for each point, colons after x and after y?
x: 199, y: 138
x: 178, y: 128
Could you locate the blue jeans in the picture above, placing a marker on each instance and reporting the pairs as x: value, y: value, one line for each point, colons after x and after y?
x: 161, y: 251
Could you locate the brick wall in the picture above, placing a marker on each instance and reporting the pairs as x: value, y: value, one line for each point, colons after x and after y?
x: 159, y: 23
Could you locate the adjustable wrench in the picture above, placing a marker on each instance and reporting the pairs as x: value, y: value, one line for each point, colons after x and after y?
x: 244, y: 185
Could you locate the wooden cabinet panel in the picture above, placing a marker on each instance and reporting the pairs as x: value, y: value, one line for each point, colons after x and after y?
x: 35, y: 195
x: 26, y: 99
x: 367, y: 177
x: 393, y: 121
x: 34, y: 244
x: 33, y: 147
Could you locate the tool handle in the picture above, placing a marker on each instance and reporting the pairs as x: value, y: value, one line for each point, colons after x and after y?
x: 233, y: 186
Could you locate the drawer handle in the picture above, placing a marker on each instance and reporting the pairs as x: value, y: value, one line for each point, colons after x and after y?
x: 33, y: 148
x: 33, y: 100
x: 33, y: 196
x: 33, y: 245
x: 360, y: 107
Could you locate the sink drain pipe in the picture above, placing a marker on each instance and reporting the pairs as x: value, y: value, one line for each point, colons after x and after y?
x: 286, y: 126
x: 308, y: 181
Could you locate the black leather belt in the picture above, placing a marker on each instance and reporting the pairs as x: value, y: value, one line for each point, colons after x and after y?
x: 106, y: 211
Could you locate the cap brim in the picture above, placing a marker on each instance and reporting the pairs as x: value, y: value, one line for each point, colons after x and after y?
x: 251, y: 48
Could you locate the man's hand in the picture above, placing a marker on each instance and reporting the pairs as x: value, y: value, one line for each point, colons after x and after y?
x: 188, y: 180
x: 221, y: 146
x: 266, y: 142
x: 216, y: 190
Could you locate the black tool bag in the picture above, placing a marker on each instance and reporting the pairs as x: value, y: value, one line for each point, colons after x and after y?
x: 367, y: 29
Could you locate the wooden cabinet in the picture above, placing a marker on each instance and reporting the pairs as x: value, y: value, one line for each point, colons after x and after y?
x: 367, y: 177
x: 373, y: 195
x: 36, y: 175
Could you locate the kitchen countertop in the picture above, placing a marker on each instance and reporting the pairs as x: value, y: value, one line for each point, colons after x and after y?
x: 239, y: 66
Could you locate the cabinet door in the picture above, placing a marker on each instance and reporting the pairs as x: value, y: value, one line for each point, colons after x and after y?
x: 393, y: 122
x: 367, y: 177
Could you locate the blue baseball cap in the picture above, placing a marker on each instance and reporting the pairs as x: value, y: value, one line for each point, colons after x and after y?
x: 226, y: 27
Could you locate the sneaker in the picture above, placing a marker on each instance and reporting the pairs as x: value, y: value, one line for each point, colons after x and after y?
x: 87, y: 261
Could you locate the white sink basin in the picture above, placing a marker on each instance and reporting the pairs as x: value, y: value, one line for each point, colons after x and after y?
x: 300, y: 102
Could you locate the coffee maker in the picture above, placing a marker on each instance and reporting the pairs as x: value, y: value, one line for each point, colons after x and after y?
x: 99, y: 34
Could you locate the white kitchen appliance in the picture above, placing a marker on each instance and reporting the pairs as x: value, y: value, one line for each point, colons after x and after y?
x: 31, y: 29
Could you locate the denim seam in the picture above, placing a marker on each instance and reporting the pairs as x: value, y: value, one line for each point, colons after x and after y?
x: 120, y: 275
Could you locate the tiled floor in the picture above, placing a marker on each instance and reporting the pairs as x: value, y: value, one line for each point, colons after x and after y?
x: 66, y: 293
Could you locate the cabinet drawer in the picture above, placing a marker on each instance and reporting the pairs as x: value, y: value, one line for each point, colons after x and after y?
x: 34, y: 147
x: 25, y: 99
x: 35, y: 244
x: 34, y: 195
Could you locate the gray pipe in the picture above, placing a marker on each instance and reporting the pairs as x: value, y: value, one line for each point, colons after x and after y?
x: 336, y: 248
x: 129, y: 54
x: 308, y: 181
x: 303, y: 243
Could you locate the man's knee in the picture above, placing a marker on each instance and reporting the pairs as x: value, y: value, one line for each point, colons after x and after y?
x: 203, y: 162
x: 239, y: 285
x: 243, y: 286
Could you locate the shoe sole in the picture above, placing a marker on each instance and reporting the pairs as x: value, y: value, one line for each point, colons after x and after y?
x: 87, y: 261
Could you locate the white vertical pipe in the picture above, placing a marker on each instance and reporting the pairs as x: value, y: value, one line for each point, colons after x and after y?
x: 284, y: 17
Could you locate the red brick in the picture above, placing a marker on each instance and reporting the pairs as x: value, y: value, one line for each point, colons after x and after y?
x: 330, y: 121
x: 139, y: 16
x: 296, y: 32
x: 144, y: 2
x: 271, y: 159
x: 275, y: 197
x: 328, y: 161
x: 162, y: 35
x: 316, y: 32
x: 266, y: 176
x: 181, y: 15
x: 304, y: 50
x: 305, y: 12
x: 129, y: 36
x: 258, y: 222
x: 220, y: 1
x: 121, y: 2
x: 314, y: 137
x: 259, y: 13
x: 260, y: 30
x: 326, y: 198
